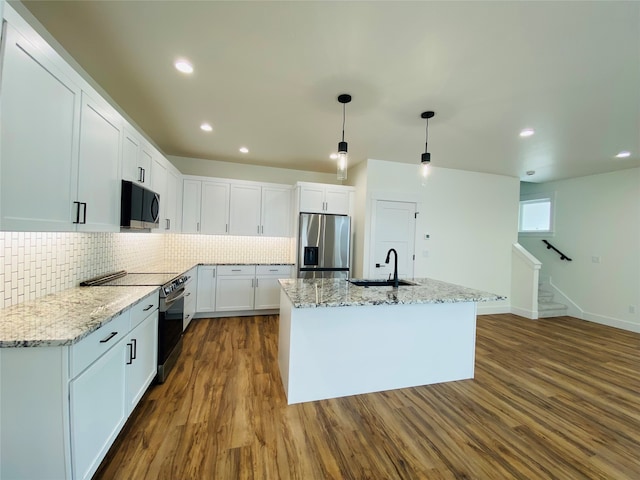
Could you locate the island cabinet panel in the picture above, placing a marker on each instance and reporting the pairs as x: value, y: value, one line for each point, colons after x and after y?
x: 38, y: 178
x: 330, y: 352
x: 141, y: 358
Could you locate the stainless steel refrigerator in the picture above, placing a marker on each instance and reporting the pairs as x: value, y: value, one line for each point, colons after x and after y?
x: 323, y: 245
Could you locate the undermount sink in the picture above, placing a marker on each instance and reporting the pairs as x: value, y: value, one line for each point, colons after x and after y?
x: 381, y: 283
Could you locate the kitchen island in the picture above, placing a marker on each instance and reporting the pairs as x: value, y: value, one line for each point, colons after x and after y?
x: 338, y: 339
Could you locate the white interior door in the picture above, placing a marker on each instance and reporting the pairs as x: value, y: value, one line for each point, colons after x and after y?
x: 393, y: 226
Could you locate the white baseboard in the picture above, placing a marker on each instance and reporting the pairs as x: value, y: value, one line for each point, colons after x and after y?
x: 488, y: 309
x: 611, y: 322
x: 530, y: 314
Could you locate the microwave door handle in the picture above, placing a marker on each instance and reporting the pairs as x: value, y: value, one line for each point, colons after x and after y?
x: 155, y: 207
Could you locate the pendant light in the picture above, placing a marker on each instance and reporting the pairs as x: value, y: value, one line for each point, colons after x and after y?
x: 342, y: 146
x: 426, y: 156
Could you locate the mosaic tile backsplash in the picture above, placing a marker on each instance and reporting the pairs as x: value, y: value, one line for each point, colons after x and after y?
x: 34, y: 264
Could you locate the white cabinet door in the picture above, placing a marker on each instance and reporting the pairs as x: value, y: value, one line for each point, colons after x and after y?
x: 312, y: 198
x: 276, y: 212
x: 141, y: 359
x: 214, y: 212
x: 206, y: 288
x: 172, y: 204
x: 267, y: 292
x: 99, y: 181
x: 98, y: 410
x: 244, y: 210
x: 337, y: 200
x: 268, y: 287
x: 234, y: 293
x: 191, y: 201
x: 38, y: 141
x: 159, y: 186
x: 130, y: 155
x: 145, y: 162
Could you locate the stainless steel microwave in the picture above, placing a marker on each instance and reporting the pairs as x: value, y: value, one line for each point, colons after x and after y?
x: 140, y: 207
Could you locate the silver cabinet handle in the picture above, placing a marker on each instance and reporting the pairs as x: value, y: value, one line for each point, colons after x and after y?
x: 198, y: 227
x: 168, y: 227
x: 258, y: 228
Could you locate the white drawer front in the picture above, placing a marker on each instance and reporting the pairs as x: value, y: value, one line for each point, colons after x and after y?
x: 236, y: 270
x: 284, y: 271
x: 142, y: 309
x: 89, y: 349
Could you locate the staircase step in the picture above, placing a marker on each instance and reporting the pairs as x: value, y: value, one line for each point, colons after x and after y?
x: 551, y: 309
x: 544, y: 296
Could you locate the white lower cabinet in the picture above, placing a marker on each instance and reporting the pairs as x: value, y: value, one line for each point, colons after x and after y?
x: 62, y: 407
x: 267, y: 295
x: 190, y: 297
x: 98, y: 410
x: 235, y: 287
x: 240, y: 288
x: 206, y: 288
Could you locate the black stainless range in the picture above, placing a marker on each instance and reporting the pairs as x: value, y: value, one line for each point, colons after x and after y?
x: 170, y: 312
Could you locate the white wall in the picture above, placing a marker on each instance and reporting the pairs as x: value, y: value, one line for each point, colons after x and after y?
x: 472, y: 220
x: 239, y: 171
x: 358, y: 178
x: 595, y: 216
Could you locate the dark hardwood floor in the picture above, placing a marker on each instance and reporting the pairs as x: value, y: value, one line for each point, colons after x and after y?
x: 554, y: 398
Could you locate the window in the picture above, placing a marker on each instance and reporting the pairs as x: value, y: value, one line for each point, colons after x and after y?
x: 536, y: 214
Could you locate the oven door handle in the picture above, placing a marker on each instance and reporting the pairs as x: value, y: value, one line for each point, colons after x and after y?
x: 174, y: 296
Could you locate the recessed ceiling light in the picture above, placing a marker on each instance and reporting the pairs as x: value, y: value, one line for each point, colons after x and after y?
x: 206, y: 127
x: 623, y: 154
x: 244, y: 150
x: 527, y: 132
x: 183, y: 66
x: 531, y: 172
x: 333, y: 156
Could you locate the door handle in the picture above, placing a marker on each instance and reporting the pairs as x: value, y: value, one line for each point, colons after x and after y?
x: 130, y: 359
x: 106, y: 339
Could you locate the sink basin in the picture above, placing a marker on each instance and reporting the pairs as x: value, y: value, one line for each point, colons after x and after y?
x: 381, y: 283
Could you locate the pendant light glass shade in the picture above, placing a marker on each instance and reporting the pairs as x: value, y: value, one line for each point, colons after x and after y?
x: 343, y: 157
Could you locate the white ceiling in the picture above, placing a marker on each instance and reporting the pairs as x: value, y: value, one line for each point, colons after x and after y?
x: 267, y: 75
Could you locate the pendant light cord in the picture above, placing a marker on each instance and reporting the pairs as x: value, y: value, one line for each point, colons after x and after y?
x: 344, y: 107
x: 426, y: 141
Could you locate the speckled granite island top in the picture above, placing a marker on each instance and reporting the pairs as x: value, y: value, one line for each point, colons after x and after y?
x: 341, y: 293
x: 65, y: 318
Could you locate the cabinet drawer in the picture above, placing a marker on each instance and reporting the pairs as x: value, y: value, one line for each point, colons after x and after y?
x: 89, y: 349
x: 143, y: 308
x: 236, y: 270
x: 284, y: 270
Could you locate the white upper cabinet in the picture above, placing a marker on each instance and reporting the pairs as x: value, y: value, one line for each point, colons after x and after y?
x: 58, y: 142
x: 38, y: 178
x: 260, y: 210
x: 276, y: 211
x: 136, y: 159
x: 219, y: 207
x: 99, y: 184
x: 321, y: 198
x: 160, y: 178
x: 214, y: 213
x: 191, y: 204
x: 244, y: 207
x: 173, y: 203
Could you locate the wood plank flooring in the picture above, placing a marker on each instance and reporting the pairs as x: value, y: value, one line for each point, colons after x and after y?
x: 555, y: 398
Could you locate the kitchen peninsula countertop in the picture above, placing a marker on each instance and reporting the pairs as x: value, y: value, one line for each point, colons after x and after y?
x: 313, y: 293
x: 64, y: 318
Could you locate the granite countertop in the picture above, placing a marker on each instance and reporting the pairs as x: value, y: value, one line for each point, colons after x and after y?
x: 307, y: 293
x: 65, y: 318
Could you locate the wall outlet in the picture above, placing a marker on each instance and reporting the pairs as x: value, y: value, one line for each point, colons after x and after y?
x: 425, y: 254
x: 632, y: 309
x: 595, y: 259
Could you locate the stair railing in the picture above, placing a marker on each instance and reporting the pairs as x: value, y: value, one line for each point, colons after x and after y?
x: 562, y: 255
